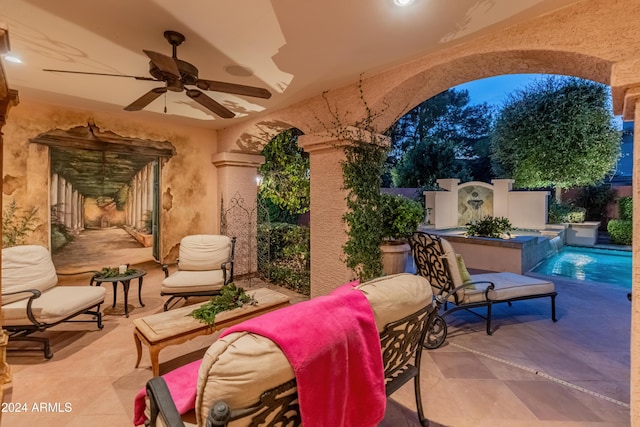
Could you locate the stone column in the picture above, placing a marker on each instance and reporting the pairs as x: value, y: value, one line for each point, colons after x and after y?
x: 327, y: 207
x: 53, y: 196
x: 632, y: 112
x: 238, y: 191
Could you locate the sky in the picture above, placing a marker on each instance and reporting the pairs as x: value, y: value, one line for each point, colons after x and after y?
x: 495, y: 90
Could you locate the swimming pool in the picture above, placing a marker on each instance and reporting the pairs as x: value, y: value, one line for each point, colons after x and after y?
x: 589, y: 264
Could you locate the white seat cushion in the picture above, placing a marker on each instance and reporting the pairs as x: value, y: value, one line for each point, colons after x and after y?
x: 507, y: 286
x: 54, y: 305
x: 192, y: 281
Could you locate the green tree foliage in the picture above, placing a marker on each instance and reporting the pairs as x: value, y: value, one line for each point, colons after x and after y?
x: 17, y: 224
x: 556, y: 132
x: 443, y: 137
x: 285, y: 173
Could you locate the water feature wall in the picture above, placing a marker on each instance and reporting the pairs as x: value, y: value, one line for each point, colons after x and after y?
x: 458, y: 204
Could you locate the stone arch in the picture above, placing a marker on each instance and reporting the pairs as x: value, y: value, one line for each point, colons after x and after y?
x: 426, y: 80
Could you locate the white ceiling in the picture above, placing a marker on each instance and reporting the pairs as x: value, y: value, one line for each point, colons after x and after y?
x: 294, y: 48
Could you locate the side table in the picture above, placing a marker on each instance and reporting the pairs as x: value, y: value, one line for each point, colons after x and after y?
x: 126, y: 281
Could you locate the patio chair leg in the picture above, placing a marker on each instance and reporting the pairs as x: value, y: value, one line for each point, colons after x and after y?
x: 416, y: 385
x: 489, y: 331
x: 553, y: 308
x: 45, y: 344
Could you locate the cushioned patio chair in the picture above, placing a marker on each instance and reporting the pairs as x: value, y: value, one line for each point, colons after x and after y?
x: 205, y: 264
x: 33, y: 302
x: 245, y: 379
x: 436, y: 260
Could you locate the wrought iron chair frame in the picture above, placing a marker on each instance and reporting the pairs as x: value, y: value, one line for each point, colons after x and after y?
x: 401, y: 344
x: 23, y: 332
x: 225, y: 266
x: 428, y: 255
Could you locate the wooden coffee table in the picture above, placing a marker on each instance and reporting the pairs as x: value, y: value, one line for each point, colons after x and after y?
x: 176, y: 327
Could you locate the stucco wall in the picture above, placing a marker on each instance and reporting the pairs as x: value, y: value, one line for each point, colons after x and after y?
x: 188, y: 181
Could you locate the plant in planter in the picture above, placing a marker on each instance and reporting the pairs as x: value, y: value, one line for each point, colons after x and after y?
x: 400, y: 218
x: 495, y: 227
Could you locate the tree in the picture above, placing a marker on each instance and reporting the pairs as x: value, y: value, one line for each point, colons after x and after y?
x: 285, y: 173
x: 440, y: 138
x: 557, y: 132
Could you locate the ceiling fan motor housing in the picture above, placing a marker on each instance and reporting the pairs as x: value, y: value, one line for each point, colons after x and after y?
x: 188, y: 73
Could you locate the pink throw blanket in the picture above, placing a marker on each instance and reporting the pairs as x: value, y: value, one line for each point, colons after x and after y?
x: 333, y: 346
x: 182, y: 383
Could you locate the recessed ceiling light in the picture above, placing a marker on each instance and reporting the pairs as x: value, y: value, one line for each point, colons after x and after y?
x: 12, y: 58
x: 402, y: 2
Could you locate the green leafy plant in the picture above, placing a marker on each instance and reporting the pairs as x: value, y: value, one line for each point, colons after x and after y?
x: 562, y: 212
x: 230, y: 297
x: 620, y: 231
x: 107, y: 272
x: 626, y: 208
x: 495, y: 227
x: 17, y: 225
x: 400, y: 216
x: 288, y: 260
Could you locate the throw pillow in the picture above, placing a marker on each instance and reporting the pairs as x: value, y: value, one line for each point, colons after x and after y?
x: 464, y: 273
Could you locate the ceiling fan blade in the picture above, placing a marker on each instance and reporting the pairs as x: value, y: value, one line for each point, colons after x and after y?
x: 102, y: 74
x: 210, y: 104
x: 233, y: 88
x: 145, y: 99
x: 165, y: 63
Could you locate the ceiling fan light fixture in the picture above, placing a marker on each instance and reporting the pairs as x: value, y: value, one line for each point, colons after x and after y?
x: 402, y: 3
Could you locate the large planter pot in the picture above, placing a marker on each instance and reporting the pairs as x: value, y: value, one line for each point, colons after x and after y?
x: 395, y: 255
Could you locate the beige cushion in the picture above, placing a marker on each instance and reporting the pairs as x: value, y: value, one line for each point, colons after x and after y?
x: 242, y: 365
x: 203, y: 252
x: 26, y: 267
x: 507, y: 286
x: 192, y: 281
x: 54, y: 305
x: 396, y: 296
x: 238, y: 369
x: 454, y: 272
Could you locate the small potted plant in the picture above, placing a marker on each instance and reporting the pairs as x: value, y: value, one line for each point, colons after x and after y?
x: 400, y: 218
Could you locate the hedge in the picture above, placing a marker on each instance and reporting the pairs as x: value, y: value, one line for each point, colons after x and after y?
x: 621, y: 231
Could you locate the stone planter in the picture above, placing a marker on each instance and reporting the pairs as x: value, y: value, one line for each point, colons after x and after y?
x: 582, y: 233
x: 395, y: 255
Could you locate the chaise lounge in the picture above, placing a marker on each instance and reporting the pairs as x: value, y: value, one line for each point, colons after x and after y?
x: 246, y: 379
x: 436, y: 260
x: 33, y: 302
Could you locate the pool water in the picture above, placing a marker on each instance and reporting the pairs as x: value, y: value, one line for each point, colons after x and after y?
x: 589, y: 264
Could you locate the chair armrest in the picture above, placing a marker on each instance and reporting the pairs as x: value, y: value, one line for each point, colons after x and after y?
x: 444, y: 297
x: 94, y: 273
x: 165, y: 268
x: 227, y: 266
x: 32, y: 318
x: 161, y: 404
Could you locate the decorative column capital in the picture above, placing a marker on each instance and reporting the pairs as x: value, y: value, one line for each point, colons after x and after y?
x: 338, y: 137
x: 237, y: 159
x: 631, y: 98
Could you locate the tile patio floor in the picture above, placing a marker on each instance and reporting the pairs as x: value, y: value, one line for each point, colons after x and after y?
x: 531, y: 372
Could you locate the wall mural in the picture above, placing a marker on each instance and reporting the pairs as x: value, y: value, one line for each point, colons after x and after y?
x: 101, y: 207
x: 474, y: 202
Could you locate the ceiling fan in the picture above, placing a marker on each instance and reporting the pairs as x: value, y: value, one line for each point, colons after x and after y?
x: 176, y: 74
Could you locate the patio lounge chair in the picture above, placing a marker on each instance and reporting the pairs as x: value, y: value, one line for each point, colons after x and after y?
x: 205, y: 264
x: 33, y: 302
x: 436, y: 260
x: 245, y: 378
